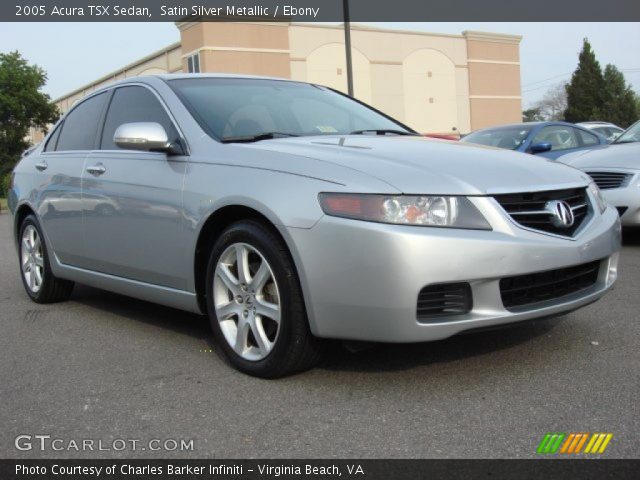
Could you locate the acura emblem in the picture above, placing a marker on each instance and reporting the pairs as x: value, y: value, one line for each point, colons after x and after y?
x: 561, y: 213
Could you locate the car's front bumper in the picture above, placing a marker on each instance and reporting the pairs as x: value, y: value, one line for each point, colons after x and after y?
x: 361, y: 280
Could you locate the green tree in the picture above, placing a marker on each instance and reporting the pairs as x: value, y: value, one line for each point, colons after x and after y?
x: 585, y: 93
x: 619, y: 102
x: 22, y: 106
x: 531, y: 115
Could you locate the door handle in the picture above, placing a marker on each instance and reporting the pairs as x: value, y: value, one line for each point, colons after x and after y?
x: 98, y: 169
x: 42, y: 166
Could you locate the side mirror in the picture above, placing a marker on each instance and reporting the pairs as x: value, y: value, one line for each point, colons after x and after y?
x: 145, y: 136
x: 540, y: 147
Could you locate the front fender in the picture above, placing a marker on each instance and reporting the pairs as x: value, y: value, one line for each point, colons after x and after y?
x: 286, y: 200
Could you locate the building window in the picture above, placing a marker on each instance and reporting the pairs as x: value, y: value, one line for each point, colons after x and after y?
x: 193, y: 63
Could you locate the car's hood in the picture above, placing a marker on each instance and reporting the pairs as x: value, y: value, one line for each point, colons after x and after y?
x: 419, y: 165
x: 623, y: 155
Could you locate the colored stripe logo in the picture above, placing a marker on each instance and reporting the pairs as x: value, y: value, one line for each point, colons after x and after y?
x: 568, y: 443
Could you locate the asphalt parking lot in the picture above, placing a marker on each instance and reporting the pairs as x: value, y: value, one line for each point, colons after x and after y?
x: 103, y: 366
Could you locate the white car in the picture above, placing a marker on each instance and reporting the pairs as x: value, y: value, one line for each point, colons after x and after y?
x: 616, y: 170
x: 606, y: 129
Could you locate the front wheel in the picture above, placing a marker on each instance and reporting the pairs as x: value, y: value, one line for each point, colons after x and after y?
x: 255, y: 303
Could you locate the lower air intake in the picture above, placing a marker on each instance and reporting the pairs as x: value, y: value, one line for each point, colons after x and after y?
x: 444, y: 299
x: 532, y: 288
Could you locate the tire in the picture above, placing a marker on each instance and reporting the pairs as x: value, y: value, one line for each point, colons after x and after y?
x: 264, y: 347
x: 33, y: 255
x: 105, y: 210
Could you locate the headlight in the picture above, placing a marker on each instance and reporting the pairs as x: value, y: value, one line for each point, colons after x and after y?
x: 601, y: 203
x: 427, y: 211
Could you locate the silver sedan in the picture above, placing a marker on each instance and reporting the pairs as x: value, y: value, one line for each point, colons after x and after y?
x: 290, y: 213
x: 616, y: 170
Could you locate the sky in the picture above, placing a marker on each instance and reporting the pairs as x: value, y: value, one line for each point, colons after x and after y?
x: 74, y: 54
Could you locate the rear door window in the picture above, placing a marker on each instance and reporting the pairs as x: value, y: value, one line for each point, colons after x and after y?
x: 80, y: 126
x: 53, y: 139
x: 587, y: 138
x: 604, y: 131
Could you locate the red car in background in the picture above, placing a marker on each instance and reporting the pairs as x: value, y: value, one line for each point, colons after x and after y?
x: 443, y: 136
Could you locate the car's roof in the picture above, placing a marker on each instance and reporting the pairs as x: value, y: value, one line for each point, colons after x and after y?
x: 149, y: 79
x: 593, y: 126
x: 183, y: 76
x: 524, y: 124
x: 175, y: 76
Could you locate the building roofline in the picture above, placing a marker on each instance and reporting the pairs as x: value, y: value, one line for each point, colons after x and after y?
x: 179, y: 76
x: 469, y: 34
x: 369, y: 28
x: 191, y: 21
x: 492, y: 37
x: 123, y: 69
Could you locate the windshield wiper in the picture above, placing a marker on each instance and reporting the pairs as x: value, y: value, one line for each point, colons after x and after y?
x: 257, y: 137
x: 626, y: 141
x: 382, y: 131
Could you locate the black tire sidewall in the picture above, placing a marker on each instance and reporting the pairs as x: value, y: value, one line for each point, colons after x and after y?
x: 291, y: 323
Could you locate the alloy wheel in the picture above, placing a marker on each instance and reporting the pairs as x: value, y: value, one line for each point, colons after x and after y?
x: 247, y: 301
x: 32, y: 261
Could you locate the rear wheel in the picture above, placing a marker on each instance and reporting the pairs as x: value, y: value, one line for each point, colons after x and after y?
x: 255, y: 303
x: 38, y: 279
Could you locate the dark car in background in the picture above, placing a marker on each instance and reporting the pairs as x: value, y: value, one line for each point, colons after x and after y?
x: 549, y: 139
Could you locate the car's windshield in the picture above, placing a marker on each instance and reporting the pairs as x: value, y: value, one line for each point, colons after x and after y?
x: 229, y: 108
x: 510, y: 138
x: 632, y: 134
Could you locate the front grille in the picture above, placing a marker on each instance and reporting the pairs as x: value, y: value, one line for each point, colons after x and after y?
x: 444, y: 299
x: 608, y: 180
x: 528, y: 209
x: 537, y: 287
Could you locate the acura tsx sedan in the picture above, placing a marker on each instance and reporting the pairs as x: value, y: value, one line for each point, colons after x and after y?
x: 290, y: 213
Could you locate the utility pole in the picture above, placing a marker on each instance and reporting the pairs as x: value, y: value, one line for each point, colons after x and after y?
x: 347, y: 45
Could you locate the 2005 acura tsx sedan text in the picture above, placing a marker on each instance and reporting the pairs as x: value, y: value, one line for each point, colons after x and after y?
x: 290, y: 213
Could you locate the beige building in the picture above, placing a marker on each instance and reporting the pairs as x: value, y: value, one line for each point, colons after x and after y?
x: 435, y: 83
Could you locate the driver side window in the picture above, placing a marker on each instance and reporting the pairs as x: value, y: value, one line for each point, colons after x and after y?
x: 561, y: 137
x: 134, y: 104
